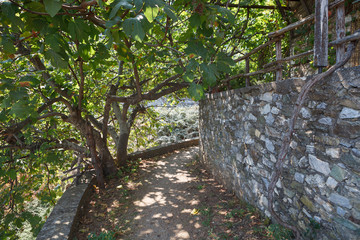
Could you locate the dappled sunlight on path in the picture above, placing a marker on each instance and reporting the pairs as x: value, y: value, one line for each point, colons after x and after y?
x: 163, y: 204
x: 170, y: 198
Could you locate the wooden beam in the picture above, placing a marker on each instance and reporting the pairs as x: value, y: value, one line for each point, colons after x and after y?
x: 278, y: 57
x: 255, y: 50
x: 252, y: 6
x: 353, y: 37
x: 250, y: 74
x: 340, y: 31
x: 321, y: 38
x: 247, y: 70
x: 302, y: 21
x: 288, y: 59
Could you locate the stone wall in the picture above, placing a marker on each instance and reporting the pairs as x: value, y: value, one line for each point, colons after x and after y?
x: 241, y: 133
x: 64, y: 219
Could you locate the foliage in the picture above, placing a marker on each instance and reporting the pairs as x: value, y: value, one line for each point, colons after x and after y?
x: 163, y: 125
x: 278, y: 232
x: 102, y: 236
x: 75, y: 77
x: 313, y: 228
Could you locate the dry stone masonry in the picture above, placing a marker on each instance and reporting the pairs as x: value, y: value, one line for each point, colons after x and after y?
x: 241, y: 133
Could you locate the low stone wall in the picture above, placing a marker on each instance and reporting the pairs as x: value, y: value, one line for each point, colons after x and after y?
x: 64, y: 218
x: 241, y: 133
x: 163, y: 149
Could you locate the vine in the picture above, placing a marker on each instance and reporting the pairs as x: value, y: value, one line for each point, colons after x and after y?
x: 288, y: 136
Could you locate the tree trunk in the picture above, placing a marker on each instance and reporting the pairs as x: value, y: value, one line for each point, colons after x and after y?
x: 107, y: 161
x: 121, y: 149
x: 94, y: 157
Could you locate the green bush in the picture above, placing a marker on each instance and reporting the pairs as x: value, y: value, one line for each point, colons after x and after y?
x: 102, y: 236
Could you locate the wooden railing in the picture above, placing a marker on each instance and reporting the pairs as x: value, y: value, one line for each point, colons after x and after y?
x: 321, y: 42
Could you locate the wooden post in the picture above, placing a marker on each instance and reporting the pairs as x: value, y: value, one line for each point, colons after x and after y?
x: 278, y: 57
x: 340, y: 31
x: 321, y: 34
x: 247, y: 70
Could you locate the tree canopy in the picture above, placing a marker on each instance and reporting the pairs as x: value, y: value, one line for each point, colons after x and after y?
x: 76, y: 74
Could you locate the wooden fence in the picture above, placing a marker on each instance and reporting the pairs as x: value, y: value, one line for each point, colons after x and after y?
x: 321, y: 42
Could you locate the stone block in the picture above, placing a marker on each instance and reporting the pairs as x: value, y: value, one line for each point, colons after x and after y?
x: 308, y: 203
x: 299, y: 177
x: 348, y: 224
x: 326, y: 121
x: 338, y: 173
x: 327, y: 206
x: 297, y: 186
x: 305, y: 113
x: 319, y: 165
x: 315, y: 181
x: 289, y: 193
x: 349, y: 113
x: 269, y: 145
x: 350, y: 160
x: 340, y: 200
x: 333, y: 152
x: 341, y: 211
x: 267, y: 97
x: 331, y: 183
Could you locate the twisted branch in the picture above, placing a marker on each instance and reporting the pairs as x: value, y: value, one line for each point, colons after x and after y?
x: 288, y: 136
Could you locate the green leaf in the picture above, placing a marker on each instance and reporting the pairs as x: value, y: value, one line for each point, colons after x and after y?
x: 195, y: 20
x: 21, y: 109
x: 138, y: 5
x: 178, y: 70
x: 117, y: 5
x: 133, y: 27
x: 56, y: 59
x: 196, y: 91
x: 52, y: 7
x: 170, y: 13
x: 102, y: 53
x: 79, y: 30
x: 192, y: 65
x: 113, y: 22
x: 197, y: 48
x: 33, y: 80
x: 54, y: 41
x: 151, y: 13
x: 8, y: 9
x: 18, y: 94
x: 227, y: 13
x: 209, y: 73
x: 154, y: 3
x: 86, y: 51
x: 8, y: 46
x: 12, y: 174
x: 188, y: 77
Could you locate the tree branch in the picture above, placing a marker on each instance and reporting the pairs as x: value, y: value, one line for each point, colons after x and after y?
x: 35, y: 60
x: 99, y: 126
x: 174, y: 88
x: 137, y: 79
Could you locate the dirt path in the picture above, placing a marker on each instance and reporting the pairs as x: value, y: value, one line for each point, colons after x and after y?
x: 170, y: 198
x: 164, y: 203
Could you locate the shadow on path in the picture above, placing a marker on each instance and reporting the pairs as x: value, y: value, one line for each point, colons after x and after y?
x: 170, y: 198
x: 163, y: 204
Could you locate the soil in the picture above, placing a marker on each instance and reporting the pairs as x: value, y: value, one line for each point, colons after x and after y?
x: 169, y: 197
